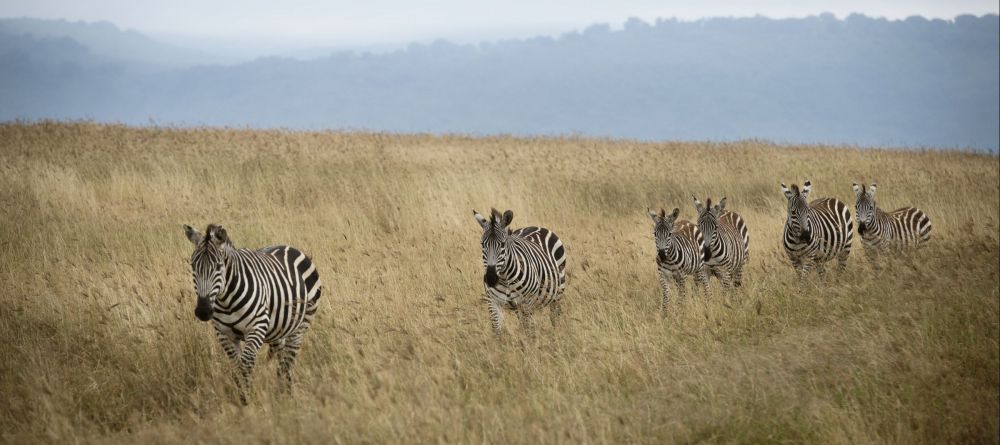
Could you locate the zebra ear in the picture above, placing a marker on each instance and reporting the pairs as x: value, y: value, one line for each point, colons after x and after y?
x: 722, y: 204
x: 871, y: 190
x: 192, y: 235
x: 652, y: 214
x: 483, y: 222
x: 697, y: 204
x: 508, y: 216
x: 788, y: 193
x: 675, y: 213
x: 857, y: 190
x: 806, y: 188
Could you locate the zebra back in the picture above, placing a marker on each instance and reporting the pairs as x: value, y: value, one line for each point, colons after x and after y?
x: 735, y: 230
x: 305, y: 273
x: 280, y: 279
x: 549, y: 244
x: 907, y: 226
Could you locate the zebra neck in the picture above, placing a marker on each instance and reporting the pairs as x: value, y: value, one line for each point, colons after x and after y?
x: 881, y: 217
x: 674, y: 252
x: 715, y: 243
x: 811, y: 216
x: 511, y: 266
x: 231, y: 259
x: 805, y: 227
x: 881, y: 220
x: 672, y: 248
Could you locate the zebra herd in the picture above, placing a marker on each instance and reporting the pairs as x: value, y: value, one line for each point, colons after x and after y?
x: 718, y: 245
x: 270, y: 295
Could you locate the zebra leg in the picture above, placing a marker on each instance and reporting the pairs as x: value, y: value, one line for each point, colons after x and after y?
x: 291, y: 346
x: 665, y: 289
x: 496, y: 316
x: 229, y: 344
x: 274, y: 350
x: 842, y: 260
x: 726, y: 277
x: 821, y: 270
x: 254, y: 340
x: 555, y: 309
x: 527, y: 321
x: 709, y: 273
x: 287, y: 358
x: 738, y: 277
x: 872, y: 256
x: 679, y: 281
x: 702, y: 280
x: 801, y: 269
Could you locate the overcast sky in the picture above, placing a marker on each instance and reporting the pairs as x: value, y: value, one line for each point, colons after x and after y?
x: 375, y: 22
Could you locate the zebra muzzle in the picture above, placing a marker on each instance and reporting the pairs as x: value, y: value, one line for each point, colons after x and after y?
x: 491, y: 278
x: 204, y: 309
x: 805, y: 236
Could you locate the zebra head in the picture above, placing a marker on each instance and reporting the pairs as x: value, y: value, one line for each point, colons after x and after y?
x: 663, y: 230
x: 798, y: 210
x: 708, y: 219
x: 865, y: 205
x: 495, y: 235
x: 208, y: 266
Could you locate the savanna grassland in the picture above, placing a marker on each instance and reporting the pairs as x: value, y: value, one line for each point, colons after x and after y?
x: 101, y: 343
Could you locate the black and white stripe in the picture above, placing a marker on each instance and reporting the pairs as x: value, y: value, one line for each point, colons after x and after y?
x: 253, y: 297
x: 816, y: 232
x: 679, y: 253
x: 881, y: 231
x: 525, y: 269
x: 727, y: 242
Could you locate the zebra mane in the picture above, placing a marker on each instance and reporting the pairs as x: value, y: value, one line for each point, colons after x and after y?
x: 215, y: 233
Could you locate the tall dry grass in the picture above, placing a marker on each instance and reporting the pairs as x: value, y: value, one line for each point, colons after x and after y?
x: 101, y: 345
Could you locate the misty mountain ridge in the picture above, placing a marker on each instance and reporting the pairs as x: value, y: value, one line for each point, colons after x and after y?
x: 107, y: 40
x: 913, y: 82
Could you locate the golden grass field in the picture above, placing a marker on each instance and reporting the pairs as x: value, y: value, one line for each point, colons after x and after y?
x: 101, y: 343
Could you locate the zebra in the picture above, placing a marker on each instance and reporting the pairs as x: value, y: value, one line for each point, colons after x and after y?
x: 816, y: 232
x: 679, y: 253
x: 896, y: 230
x: 727, y: 242
x: 525, y: 269
x: 260, y: 296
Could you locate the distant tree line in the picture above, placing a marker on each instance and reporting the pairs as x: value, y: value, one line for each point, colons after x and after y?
x: 914, y: 82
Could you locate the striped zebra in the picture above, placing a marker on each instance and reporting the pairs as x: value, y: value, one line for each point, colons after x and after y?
x: 253, y: 296
x: 880, y: 231
x: 679, y: 253
x: 525, y: 269
x: 727, y: 243
x: 816, y: 232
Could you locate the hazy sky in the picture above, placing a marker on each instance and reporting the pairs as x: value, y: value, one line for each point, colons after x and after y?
x: 374, y: 22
